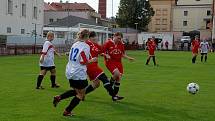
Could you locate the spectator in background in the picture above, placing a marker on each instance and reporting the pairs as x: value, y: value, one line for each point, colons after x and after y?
x: 167, y: 45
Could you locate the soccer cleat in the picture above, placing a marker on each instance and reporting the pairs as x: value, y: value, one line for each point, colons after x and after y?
x: 56, y: 100
x: 40, y: 87
x: 55, y: 86
x: 116, y: 98
x: 66, y: 113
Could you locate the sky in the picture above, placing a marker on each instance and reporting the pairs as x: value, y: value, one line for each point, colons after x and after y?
x: 94, y: 4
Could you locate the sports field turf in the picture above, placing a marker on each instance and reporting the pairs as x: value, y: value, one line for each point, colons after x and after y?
x: 151, y: 93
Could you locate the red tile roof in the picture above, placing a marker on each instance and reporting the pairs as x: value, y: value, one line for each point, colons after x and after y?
x: 65, y: 6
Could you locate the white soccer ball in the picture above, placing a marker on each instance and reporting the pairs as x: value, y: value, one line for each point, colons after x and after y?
x: 192, y: 88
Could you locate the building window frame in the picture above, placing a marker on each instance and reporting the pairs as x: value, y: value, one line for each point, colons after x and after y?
x: 9, y: 30
x: 185, y: 23
x: 208, y: 12
x: 22, y: 31
x: 9, y: 6
x: 185, y: 13
x: 35, y: 12
x: 23, y: 10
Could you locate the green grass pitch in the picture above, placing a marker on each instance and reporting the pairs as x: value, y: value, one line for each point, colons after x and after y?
x: 151, y: 93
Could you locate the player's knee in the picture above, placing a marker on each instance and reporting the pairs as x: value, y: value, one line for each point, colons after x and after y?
x: 96, y: 84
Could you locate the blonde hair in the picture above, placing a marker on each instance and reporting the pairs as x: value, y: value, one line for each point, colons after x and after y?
x: 50, y: 34
x: 83, y: 34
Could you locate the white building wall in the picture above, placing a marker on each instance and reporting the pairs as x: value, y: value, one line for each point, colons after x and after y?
x: 196, y: 18
x: 16, y: 21
x: 194, y: 2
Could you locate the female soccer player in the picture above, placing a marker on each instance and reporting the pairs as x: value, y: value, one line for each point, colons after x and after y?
x: 151, y: 48
x: 47, y: 62
x: 94, y: 72
x: 204, y: 47
x: 76, y: 72
x: 195, y: 48
x: 115, y: 49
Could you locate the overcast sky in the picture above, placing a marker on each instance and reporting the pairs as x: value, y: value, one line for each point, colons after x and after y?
x: 94, y: 4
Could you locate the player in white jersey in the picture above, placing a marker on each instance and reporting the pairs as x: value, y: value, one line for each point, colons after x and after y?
x: 76, y: 72
x: 204, y: 47
x: 47, y: 62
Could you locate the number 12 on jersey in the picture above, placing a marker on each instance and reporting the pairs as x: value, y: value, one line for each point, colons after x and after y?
x: 73, y: 54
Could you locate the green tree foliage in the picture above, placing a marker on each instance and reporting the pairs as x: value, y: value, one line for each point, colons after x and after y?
x: 134, y: 11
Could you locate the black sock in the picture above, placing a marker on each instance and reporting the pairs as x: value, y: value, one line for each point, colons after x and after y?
x: 206, y: 57
x: 116, y: 88
x: 154, y: 60
x: 106, y: 84
x: 201, y: 58
x: 74, y: 102
x: 195, y: 59
x: 52, y: 77
x: 89, y: 89
x: 39, y: 80
x: 68, y: 94
x: 147, y: 62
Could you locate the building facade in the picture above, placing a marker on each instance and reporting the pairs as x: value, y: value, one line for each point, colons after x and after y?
x: 162, y: 19
x: 56, y: 11
x: 21, y: 17
x: 192, y: 15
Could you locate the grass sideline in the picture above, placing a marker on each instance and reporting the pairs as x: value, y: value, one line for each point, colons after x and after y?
x: 151, y: 93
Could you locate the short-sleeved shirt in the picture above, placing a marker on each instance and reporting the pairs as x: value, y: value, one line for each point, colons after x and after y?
x: 74, y: 69
x: 48, y: 51
x: 114, y: 50
x: 195, y: 45
x: 204, y: 47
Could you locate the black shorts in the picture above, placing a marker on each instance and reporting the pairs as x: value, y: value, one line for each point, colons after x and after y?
x: 47, y: 68
x: 78, y: 84
x: 204, y: 53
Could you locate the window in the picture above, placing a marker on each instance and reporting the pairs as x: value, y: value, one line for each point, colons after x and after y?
x: 208, y: 24
x: 10, y: 7
x: 22, y: 31
x: 157, y: 29
x: 184, y: 23
x: 208, y: 12
x: 58, y: 19
x: 165, y: 11
x: 24, y: 10
x: 158, y: 12
x: 164, y: 29
x: 157, y: 22
x: 164, y: 21
x: 51, y: 20
x: 35, y: 13
x: 185, y: 13
x: 8, y: 29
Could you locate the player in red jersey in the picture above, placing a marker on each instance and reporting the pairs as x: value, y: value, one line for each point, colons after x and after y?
x: 115, y: 49
x: 151, y: 49
x: 95, y: 73
x: 195, y: 48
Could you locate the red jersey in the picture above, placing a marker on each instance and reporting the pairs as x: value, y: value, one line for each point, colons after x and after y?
x: 95, y: 49
x: 195, y: 45
x: 114, y: 50
x: 151, y: 45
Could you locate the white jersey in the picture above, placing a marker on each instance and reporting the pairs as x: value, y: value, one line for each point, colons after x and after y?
x: 48, y: 51
x: 74, y: 69
x: 204, y: 47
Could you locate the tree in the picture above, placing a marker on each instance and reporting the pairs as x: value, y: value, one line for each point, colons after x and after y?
x: 134, y: 11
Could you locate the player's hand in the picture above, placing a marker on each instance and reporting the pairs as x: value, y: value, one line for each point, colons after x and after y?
x: 41, y: 60
x: 107, y: 56
x: 95, y: 59
x: 131, y: 59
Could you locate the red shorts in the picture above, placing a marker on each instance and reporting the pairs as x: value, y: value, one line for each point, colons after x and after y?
x: 195, y: 51
x: 112, y: 66
x: 151, y: 52
x: 94, y: 71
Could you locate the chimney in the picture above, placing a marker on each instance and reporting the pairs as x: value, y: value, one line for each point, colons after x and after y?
x: 102, y: 8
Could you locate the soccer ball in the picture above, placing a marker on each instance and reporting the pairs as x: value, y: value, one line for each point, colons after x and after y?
x: 192, y: 88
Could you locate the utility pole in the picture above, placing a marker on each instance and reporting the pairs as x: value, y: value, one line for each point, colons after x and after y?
x: 35, y: 37
x: 212, y: 31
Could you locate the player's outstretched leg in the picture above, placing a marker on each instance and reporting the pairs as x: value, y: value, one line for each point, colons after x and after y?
x: 39, y: 81
x: 148, y: 60
x: 65, y: 95
x: 53, y: 78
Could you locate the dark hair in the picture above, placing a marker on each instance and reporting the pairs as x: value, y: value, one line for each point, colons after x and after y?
x: 92, y: 34
x: 118, y: 34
